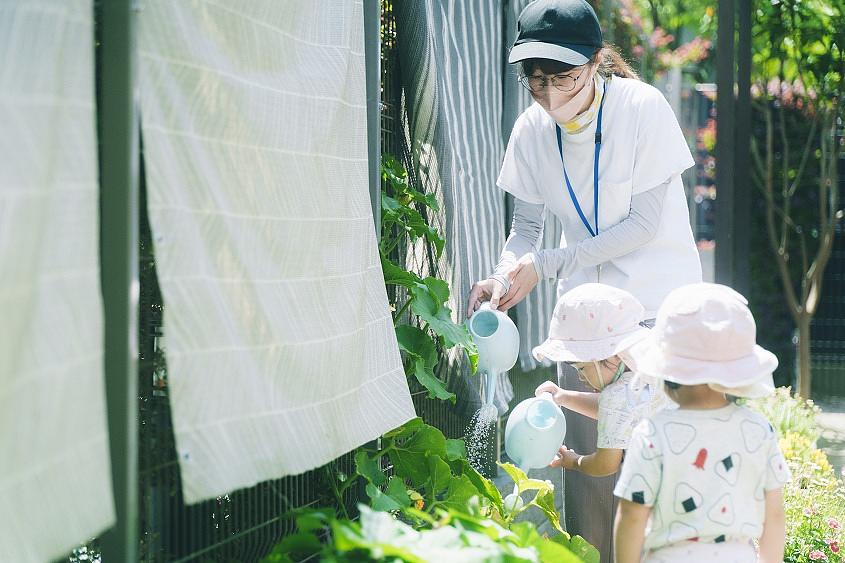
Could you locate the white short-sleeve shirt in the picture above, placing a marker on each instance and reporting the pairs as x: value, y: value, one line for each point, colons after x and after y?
x: 642, y: 148
x: 622, y: 406
x: 704, y: 473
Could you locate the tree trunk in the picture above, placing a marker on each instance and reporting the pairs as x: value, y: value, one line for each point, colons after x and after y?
x: 804, y: 373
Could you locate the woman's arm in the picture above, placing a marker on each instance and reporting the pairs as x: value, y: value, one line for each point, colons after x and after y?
x: 774, y: 529
x: 629, y: 532
x: 525, y: 237
x: 626, y: 236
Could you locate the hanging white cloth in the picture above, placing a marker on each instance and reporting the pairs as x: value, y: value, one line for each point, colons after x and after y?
x: 55, y: 476
x: 279, y: 341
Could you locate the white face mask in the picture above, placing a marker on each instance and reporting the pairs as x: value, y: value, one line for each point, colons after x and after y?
x: 569, y: 109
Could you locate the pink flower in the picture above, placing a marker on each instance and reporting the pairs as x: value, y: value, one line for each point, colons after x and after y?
x: 833, y: 523
x: 833, y: 545
x: 815, y: 555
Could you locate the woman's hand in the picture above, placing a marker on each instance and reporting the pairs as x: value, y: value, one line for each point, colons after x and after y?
x: 565, y: 458
x: 523, y: 278
x: 484, y: 290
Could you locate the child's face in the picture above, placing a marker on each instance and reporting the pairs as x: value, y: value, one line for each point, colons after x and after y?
x: 597, y: 375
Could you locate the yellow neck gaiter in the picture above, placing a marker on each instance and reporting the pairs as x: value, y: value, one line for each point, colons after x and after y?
x: 583, y: 120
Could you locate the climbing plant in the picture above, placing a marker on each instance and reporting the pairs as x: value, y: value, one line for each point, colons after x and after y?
x: 429, y: 326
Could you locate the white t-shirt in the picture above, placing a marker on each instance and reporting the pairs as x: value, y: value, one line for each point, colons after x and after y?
x: 642, y: 148
x: 622, y: 406
x: 704, y: 473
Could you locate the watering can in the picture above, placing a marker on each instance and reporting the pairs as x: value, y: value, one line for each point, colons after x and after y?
x: 497, y: 340
x: 534, y: 432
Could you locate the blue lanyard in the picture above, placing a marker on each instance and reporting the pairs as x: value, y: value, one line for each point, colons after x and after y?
x: 595, y: 171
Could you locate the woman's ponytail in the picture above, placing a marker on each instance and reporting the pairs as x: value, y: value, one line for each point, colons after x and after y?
x: 611, y: 63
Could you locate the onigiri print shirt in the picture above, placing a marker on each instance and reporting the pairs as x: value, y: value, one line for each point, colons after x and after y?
x: 704, y: 473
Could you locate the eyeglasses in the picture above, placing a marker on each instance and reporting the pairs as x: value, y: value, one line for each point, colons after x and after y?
x: 561, y: 82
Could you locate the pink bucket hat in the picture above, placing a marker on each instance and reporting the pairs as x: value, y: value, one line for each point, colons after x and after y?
x: 705, y: 333
x: 592, y: 322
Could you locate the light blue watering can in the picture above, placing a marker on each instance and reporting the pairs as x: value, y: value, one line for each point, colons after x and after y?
x: 535, y: 431
x: 497, y: 340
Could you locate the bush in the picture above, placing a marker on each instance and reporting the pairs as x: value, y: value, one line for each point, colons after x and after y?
x: 789, y: 413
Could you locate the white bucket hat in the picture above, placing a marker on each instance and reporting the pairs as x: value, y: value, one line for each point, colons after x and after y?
x: 705, y: 334
x: 592, y: 322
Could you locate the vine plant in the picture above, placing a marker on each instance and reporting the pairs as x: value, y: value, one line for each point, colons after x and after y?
x: 431, y: 322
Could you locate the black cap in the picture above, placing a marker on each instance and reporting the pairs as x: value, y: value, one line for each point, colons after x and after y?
x: 562, y: 30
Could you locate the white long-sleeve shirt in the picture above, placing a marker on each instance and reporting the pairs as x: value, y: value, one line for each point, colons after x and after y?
x: 559, y: 263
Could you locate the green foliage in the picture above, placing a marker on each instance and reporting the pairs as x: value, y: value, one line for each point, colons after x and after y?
x: 814, y: 499
x: 800, y: 42
x: 814, y: 502
x: 788, y: 413
x: 429, y: 501
x: 403, y: 223
x: 453, y: 535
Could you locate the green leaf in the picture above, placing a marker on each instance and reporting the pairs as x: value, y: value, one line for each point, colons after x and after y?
x: 406, y: 430
x: 515, y: 473
x: 579, y: 546
x: 409, y: 458
x: 301, y: 545
x: 455, y: 449
x: 438, y: 288
x: 460, y: 491
x: 484, y: 486
x: 438, y: 317
x: 545, y: 501
x: 389, y: 204
x: 395, y: 497
x: 441, y: 473
x: 419, y: 346
x: 395, y: 275
x: 397, y: 491
x: 416, y: 226
x: 415, y: 341
x: 369, y: 468
x: 311, y: 519
x: 551, y: 552
x: 436, y: 388
x: 346, y: 535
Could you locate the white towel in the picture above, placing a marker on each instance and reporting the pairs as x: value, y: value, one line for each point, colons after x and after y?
x: 280, y: 344
x: 55, y: 476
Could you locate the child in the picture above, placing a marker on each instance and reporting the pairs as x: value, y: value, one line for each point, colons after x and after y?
x: 700, y: 482
x: 591, y: 326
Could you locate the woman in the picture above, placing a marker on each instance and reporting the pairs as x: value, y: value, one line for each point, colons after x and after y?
x: 604, y: 153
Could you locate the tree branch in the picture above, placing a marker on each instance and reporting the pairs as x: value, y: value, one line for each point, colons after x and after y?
x: 781, y: 259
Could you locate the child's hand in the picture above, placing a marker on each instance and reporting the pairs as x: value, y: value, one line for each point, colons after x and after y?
x: 565, y: 458
x: 549, y: 387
